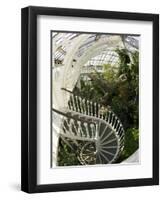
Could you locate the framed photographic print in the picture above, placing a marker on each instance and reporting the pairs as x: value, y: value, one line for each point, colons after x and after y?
x: 90, y: 99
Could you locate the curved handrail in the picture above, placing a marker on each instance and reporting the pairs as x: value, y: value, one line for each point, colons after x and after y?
x: 72, y: 127
x: 93, y: 109
x: 83, y: 120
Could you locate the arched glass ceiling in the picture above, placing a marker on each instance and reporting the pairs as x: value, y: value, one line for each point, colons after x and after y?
x: 61, y: 40
x: 131, y: 43
x: 90, y: 40
x: 104, y: 57
x: 64, y: 40
x: 60, y: 37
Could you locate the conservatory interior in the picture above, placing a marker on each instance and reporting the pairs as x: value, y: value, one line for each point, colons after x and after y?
x: 95, y: 98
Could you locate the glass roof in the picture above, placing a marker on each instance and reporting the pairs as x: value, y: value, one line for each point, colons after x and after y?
x: 64, y: 40
x: 104, y: 57
x: 131, y: 43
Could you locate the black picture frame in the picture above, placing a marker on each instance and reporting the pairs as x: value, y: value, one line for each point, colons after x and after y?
x: 29, y: 98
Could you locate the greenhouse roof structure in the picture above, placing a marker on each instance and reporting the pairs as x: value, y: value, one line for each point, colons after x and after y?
x: 105, y: 53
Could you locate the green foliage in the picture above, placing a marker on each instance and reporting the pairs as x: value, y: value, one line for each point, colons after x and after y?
x: 131, y: 143
x: 66, y: 155
x: 109, y: 72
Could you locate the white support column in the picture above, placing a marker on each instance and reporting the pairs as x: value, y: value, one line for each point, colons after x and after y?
x: 56, y: 123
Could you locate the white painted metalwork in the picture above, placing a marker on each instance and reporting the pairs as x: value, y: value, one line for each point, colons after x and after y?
x: 103, y: 134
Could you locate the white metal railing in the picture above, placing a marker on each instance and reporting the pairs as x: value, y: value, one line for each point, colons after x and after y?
x: 92, y: 122
x: 89, y: 108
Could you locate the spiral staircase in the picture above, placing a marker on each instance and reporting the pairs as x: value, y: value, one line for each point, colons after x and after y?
x: 95, y: 124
